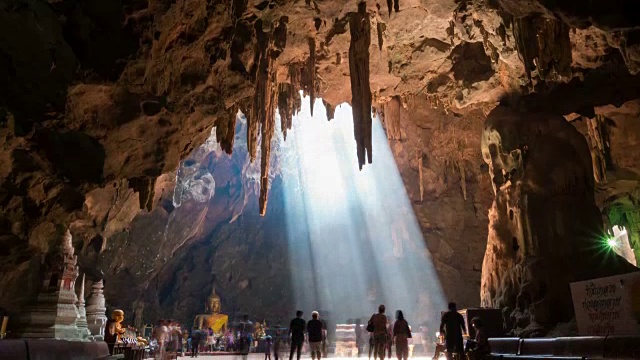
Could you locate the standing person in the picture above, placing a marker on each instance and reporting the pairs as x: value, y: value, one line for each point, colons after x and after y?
x: 389, y: 336
x: 246, y: 338
x: 324, y: 338
x: 452, y: 325
x: 379, y: 322
x: 276, y: 345
x: 372, y: 347
x: 359, y: 337
x: 195, y: 342
x: 185, y: 341
x: 314, y: 330
x: 210, y: 340
x: 267, y: 347
x: 296, y: 334
x: 401, y: 336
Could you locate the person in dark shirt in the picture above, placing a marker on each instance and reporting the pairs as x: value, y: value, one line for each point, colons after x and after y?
x: 314, y: 329
x: 379, y: 322
x: 479, y: 347
x: 296, y: 333
x: 452, y: 325
x: 196, y: 335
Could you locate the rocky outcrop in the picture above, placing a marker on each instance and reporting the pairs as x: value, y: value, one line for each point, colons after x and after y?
x: 545, y: 229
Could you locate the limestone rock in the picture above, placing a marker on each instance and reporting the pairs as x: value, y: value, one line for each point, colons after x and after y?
x: 545, y: 229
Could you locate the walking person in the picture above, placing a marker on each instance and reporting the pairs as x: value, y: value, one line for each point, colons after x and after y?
x: 379, y: 325
x: 296, y: 334
x: 314, y: 331
x: 401, y: 336
x: 452, y: 325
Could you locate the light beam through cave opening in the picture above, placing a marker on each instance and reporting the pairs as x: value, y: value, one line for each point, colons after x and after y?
x: 354, y: 241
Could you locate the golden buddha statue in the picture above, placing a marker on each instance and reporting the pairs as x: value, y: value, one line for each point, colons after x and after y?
x: 114, y: 330
x: 213, y: 319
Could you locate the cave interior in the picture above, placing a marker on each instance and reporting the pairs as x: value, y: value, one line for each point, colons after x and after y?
x: 415, y: 152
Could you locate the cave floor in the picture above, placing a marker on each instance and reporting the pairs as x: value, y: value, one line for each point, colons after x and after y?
x: 257, y: 356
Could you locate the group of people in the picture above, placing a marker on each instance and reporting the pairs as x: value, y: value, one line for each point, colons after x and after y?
x: 383, y: 335
x: 315, y: 330
x: 238, y: 340
x: 452, y: 327
x: 450, y: 339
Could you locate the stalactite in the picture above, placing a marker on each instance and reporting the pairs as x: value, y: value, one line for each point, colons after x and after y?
x: 260, y: 70
x: 280, y: 37
x: 285, y: 106
x: 381, y: 28
x: 268, y: 48
x: 360, y: 29
x: 226, y: 130
x: 330, y: 110
x: 312, y: 71
x: 463, y: 179
x: 420, y: 175
x: 392, y: 118
x: 145, y: 187
x: 598, y: 136
x: 268, y: 127
x: 543, y: 44
x: 390, y: 6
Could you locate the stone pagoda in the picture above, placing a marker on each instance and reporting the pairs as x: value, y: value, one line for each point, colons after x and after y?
x: 83, y: 330
x: 96, y: 311
x: 54, y: 313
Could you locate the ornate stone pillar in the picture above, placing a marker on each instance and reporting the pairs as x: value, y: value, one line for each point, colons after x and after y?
x: 54, y: 313
x: 82, y: 314
x: 96, y: 311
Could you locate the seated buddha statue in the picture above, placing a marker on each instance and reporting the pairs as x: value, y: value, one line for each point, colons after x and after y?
x: 212, y: 319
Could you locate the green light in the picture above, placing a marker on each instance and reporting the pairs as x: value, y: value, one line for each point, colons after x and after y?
x: 612, y: 243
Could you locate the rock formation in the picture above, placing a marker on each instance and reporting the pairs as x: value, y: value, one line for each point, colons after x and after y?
x: 545, y: 229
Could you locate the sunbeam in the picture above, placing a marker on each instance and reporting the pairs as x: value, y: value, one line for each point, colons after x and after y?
x: 353, y: 238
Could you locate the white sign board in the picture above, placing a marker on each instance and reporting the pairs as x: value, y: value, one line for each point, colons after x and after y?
x: 608, y: 306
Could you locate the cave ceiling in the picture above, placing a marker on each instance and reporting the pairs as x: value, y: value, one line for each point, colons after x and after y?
x: 101, y: 100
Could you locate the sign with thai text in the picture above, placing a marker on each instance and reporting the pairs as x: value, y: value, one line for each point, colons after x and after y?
x: 608, y: 306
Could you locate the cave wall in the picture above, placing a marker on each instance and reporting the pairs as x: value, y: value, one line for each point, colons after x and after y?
x: 545, y: 229
x: 450, y: 193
